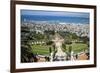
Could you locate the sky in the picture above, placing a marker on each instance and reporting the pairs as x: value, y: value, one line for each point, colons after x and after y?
x: 55, y: 13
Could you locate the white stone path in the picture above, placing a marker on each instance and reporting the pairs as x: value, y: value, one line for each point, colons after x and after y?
x: 58, y: 44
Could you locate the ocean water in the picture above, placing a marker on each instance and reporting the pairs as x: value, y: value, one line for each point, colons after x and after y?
x: 76, y: 20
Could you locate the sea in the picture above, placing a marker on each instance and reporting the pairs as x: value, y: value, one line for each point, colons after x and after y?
x: 76, y: 20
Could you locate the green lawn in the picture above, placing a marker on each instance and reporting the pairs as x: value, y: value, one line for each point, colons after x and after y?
x: 40, y: 49
x: 77, y: 47
x: 44, y: 50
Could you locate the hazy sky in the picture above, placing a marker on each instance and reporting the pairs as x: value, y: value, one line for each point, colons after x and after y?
x: 55, y: 13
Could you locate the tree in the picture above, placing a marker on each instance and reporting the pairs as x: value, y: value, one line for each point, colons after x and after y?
x: 64, y: 47
x: 68, y: 42
x: 26, y: 50
x: 85, y: 39
x: 49, y: 42
x: 50, y: 49
x: 26, y: 53
x: 74, y: 36
x: 70, y: 49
